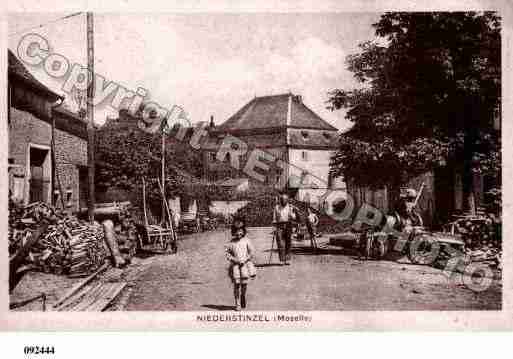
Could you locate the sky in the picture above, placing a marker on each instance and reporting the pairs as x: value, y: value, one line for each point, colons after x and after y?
x: 209, y: 64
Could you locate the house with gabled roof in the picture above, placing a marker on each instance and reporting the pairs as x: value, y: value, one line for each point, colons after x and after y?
x: 47, y: 143
x: 284, y: 126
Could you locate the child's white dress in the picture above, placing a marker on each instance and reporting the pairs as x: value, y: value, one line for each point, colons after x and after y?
x: 241, y: 250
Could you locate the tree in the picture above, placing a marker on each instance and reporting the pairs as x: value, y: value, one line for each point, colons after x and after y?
x: 429, y: 98
x: 125, y: 154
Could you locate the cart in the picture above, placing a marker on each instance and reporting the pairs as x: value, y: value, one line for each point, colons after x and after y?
x: 160, y: 239
x: 190, y: 222
x: 419, y: 245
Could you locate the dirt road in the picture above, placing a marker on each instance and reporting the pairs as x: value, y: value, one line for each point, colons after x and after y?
x: 196, y: 279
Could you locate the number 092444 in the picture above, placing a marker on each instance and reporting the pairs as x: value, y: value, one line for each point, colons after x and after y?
x: 39, y: 350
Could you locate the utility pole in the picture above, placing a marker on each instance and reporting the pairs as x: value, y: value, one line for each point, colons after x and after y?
x: 90, y: 116
x: 163, y: 174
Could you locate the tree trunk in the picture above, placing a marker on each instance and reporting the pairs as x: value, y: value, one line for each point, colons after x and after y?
x: 469, y: 200
x: 471, y: 119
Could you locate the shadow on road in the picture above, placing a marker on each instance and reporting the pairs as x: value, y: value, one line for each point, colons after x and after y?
x: 263, y: 265
x: 218, y: 307
x: 320, y: 251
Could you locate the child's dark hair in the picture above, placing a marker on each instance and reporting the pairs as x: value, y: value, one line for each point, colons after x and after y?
x: 238, y: 222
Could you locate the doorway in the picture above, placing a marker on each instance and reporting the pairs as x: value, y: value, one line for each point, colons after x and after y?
x: 83, y: 181
x: 40, y: 174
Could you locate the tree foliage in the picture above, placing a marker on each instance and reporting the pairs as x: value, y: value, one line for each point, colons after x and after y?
x: 125, y: 154
x: 429, y: 97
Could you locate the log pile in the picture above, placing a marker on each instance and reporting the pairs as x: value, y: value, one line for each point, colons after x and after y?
x: 478, y: 231
x: 67, y: 246
x: 127, y: 235
x: 482, y: 237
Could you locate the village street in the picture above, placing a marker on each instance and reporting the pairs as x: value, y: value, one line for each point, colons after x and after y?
x: 196, y: 279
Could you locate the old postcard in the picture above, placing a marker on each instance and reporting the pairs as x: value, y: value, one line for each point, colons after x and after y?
x: 303, y: 168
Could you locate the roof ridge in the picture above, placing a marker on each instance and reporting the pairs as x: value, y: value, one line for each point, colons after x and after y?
x: 275, y: 95
x: 275, y: 111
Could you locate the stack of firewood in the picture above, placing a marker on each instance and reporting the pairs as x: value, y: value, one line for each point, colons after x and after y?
x: 68, y: 246
x: 87, y: 250
x: 126, y: 234
x: 482, y: 237
x: 478, y: 232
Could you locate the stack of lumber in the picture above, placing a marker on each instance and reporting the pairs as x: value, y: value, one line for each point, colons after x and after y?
x: 92, y: 298
x: 66, y: 246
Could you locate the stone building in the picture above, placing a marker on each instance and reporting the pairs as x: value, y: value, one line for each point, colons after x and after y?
x: 47, y: 144
x: 283, y: 126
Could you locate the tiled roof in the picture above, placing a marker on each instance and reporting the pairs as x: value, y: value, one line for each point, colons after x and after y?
x: 273, y: 111
x: 313, y: 138
x: 17, y: 69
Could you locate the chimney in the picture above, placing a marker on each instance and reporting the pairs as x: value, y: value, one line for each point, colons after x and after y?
x: 212, y: 124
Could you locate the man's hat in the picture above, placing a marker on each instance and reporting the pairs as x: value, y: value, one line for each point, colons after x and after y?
x: 407, y: 193
x: 411, y: 193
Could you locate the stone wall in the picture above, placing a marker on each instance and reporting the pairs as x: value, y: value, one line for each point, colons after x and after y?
x: 26, y: 130
x: 273, y: 143
x: 70, y: 154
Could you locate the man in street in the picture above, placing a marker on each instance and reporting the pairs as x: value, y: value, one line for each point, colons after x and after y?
x: 283, y: 215
x: 406, y: 212
x: 311, y: 222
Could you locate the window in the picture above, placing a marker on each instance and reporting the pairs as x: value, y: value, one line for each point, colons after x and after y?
x: 304, y: 134
x: 212, y: 156
x: 327, y: 136
x: 304, y: 155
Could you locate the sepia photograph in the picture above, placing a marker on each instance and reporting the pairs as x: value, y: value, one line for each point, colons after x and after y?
x: 254, y: 166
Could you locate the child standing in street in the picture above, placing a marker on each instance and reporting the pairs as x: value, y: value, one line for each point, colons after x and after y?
x: 239, y: 253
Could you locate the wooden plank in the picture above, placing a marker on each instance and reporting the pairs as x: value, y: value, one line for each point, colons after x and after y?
x: 79, y: 285
x: 89, y: 298
x: 14, y: 305
x: 105, y: 300
x: 106, y: 292
x: 76, y: 298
